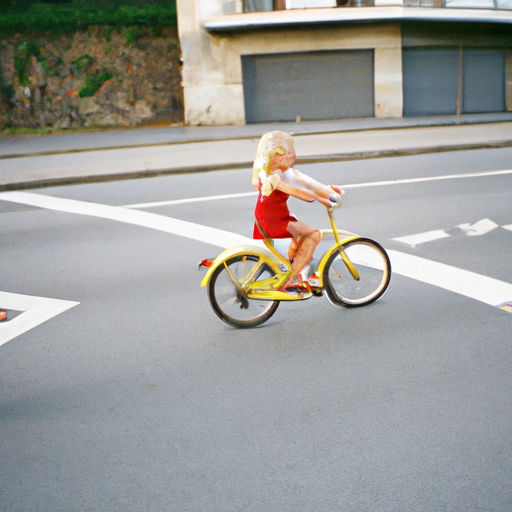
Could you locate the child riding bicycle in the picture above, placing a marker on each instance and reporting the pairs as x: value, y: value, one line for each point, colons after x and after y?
x: 276, y: 180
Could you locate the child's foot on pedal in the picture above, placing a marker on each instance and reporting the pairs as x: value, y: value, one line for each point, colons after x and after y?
x: 295, y: 286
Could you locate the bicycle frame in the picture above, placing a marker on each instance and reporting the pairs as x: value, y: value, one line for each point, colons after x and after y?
x: 270, y: 256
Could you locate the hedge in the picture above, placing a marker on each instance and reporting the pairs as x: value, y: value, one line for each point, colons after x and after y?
x: 22, y: 16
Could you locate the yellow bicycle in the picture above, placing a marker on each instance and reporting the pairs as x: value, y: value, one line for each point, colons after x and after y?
x: 243, y: 282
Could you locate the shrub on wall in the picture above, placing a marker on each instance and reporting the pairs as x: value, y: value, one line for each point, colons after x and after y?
x: 70, y: 15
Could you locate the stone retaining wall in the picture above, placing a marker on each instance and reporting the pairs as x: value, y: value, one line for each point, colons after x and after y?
x: 100, y: 77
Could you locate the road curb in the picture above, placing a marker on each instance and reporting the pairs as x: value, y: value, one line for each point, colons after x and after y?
x: 297, y: 133
x: 337, y: 157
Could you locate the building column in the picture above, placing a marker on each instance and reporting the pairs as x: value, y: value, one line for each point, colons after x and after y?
x: 508, y: 80
x: 388, y: 78
x: 209, y: 97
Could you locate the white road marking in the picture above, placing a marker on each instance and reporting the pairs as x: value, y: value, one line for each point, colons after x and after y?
x: 421, y: 238
x: 509, y: 227
x: 431, y: 178
x: 36, y: 310
x: 476, y: 286
x: 479, y: 228
x: 482, y: 288
x: 178, y: 227
x: 353, y: 185
x: 482, y: 227
x: 190, y: 200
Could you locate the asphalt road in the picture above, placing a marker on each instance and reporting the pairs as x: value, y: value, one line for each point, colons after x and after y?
x: 134, y: 396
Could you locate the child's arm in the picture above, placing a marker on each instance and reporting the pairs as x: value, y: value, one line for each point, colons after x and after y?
x: 303, y: 187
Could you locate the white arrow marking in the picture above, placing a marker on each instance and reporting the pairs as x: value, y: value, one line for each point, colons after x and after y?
x: 479, y: 228
x: 509, y: 227
x: 36, y: 310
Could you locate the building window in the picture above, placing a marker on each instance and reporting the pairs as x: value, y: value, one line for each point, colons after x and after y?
x: 263, y: 5
x: 280, y: 5
x: 461, y: 4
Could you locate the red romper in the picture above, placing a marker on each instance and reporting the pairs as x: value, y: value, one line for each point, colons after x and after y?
x: 273, y: 215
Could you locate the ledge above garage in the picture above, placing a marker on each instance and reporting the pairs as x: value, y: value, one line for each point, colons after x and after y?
x: 329, y: 16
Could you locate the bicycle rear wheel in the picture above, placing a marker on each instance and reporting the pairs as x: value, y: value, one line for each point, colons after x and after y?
x: 229, y: 303
x: 373, y: 266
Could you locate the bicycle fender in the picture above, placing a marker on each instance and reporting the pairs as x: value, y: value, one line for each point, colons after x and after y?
x: 241, y: 250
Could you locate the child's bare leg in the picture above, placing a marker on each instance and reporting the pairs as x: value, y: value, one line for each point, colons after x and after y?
x: 293, y: 248
x: 308, y: 238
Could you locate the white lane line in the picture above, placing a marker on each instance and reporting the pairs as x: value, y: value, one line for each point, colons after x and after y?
x: 178, y: 227
x: 190, y: 200
x: 484, y: 289
x: 426, y: 179
x: 36, y: 310
x: 509, y: 227
x: 354, y: 185
x: 421, y: 238
x: 475, y: 286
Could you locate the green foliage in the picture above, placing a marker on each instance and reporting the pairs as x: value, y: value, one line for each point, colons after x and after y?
x: 15, y: 130
x: 132, y: 34
x: 45, y: 65
x: 12, y: 130
x: 22, y: 16
x: 107, y: 34
x: 6, y: 89
x: 25, y: 51
x: 92, y: 84
x: 83, y: 62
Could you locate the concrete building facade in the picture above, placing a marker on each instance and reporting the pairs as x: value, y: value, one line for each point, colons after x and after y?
x: 387, y: 59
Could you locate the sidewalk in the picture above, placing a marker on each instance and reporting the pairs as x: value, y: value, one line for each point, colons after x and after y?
x: 34, y: 161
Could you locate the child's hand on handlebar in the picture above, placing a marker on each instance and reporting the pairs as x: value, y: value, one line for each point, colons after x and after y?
x: 335, y: 197
x: 334, y: 204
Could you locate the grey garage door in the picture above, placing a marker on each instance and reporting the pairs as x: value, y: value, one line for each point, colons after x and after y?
x: 312, y: 85
x: 430, y: 81
x: 484, y: 81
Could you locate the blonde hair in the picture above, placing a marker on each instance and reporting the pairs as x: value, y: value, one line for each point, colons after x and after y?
x: 272, y: 143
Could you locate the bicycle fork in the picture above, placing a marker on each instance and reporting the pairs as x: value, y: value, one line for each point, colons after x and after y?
x: 353, y: 272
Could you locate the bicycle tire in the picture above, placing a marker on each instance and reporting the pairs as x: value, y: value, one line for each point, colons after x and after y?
x: 229, y: 304
x: 373, y: 266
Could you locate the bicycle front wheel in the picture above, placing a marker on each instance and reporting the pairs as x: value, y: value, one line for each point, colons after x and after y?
x: 373, y: 267
x: 228, y: 300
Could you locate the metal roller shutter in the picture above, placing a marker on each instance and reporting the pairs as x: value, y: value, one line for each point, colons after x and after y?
x: 430, y: 81
x: 312, y: 85
x: 484, y: 81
